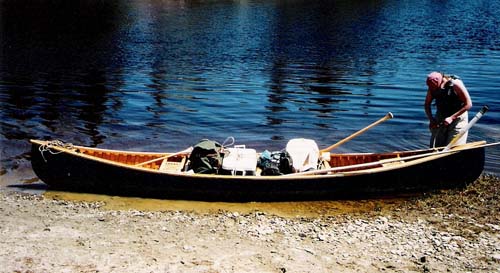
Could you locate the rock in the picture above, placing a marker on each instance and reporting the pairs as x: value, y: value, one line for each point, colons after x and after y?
x: 496, y: 257
x: 494, y: 227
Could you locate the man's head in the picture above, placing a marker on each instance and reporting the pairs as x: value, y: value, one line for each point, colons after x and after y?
x: 434, y: 80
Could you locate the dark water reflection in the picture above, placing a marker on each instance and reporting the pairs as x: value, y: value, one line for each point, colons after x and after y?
x: 160, y: 75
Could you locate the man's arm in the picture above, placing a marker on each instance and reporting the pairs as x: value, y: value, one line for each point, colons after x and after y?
x: 463, y: 95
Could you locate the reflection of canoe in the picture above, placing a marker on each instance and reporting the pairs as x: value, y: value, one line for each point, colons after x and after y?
x: 78, y: 168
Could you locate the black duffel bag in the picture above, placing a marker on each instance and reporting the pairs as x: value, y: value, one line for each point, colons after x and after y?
x: 275, y: 163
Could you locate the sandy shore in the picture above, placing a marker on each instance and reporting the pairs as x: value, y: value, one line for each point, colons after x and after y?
x: 452, y: 231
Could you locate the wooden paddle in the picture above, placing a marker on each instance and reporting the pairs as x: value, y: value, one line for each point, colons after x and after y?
x: 395, y: 159
x: 386, y: 117
x: 466, y: 128
x: 186, y: 151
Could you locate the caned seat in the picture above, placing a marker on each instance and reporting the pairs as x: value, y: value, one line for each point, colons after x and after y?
x: 172, y: 166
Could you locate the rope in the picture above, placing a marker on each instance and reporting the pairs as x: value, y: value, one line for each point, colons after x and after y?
x: 54, y: 143
x: 224, y: 144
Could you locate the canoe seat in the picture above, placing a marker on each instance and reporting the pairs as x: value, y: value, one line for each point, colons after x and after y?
x: 324, y: 161
x: 172, y: 166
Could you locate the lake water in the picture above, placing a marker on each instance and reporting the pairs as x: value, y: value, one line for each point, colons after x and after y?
x: 161, y: 75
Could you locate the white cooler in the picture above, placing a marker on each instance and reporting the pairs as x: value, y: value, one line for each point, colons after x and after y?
x: 239, y: 160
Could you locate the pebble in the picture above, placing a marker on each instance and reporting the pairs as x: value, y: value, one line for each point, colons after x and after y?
x: 496, y: 257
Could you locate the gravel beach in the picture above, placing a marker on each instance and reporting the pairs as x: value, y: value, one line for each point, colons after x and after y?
x: 448, y: 231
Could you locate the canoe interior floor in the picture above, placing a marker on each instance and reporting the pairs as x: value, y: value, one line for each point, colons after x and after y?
x: 177, y: 163
x: 133, y: 159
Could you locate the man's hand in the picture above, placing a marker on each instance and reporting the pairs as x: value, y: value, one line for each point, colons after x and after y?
x: 447, y: 121
x: 433, y: 124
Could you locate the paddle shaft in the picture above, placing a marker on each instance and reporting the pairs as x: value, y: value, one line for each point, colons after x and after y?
x: 466, y: 128
x: 164, y: 157
x: 386, y: 117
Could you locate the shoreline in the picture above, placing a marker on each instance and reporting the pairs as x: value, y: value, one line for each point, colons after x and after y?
x: 455, y: 230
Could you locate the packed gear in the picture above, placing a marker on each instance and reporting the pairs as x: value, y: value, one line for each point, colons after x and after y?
x: 239, y: 161
x: 206, y: 157
x: 275, y: 163
x: 304, y: 153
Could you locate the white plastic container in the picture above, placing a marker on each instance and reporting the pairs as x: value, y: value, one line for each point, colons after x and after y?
x: 239, y: 160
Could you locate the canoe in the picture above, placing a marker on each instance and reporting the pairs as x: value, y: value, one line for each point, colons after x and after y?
x: 350, y: 175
